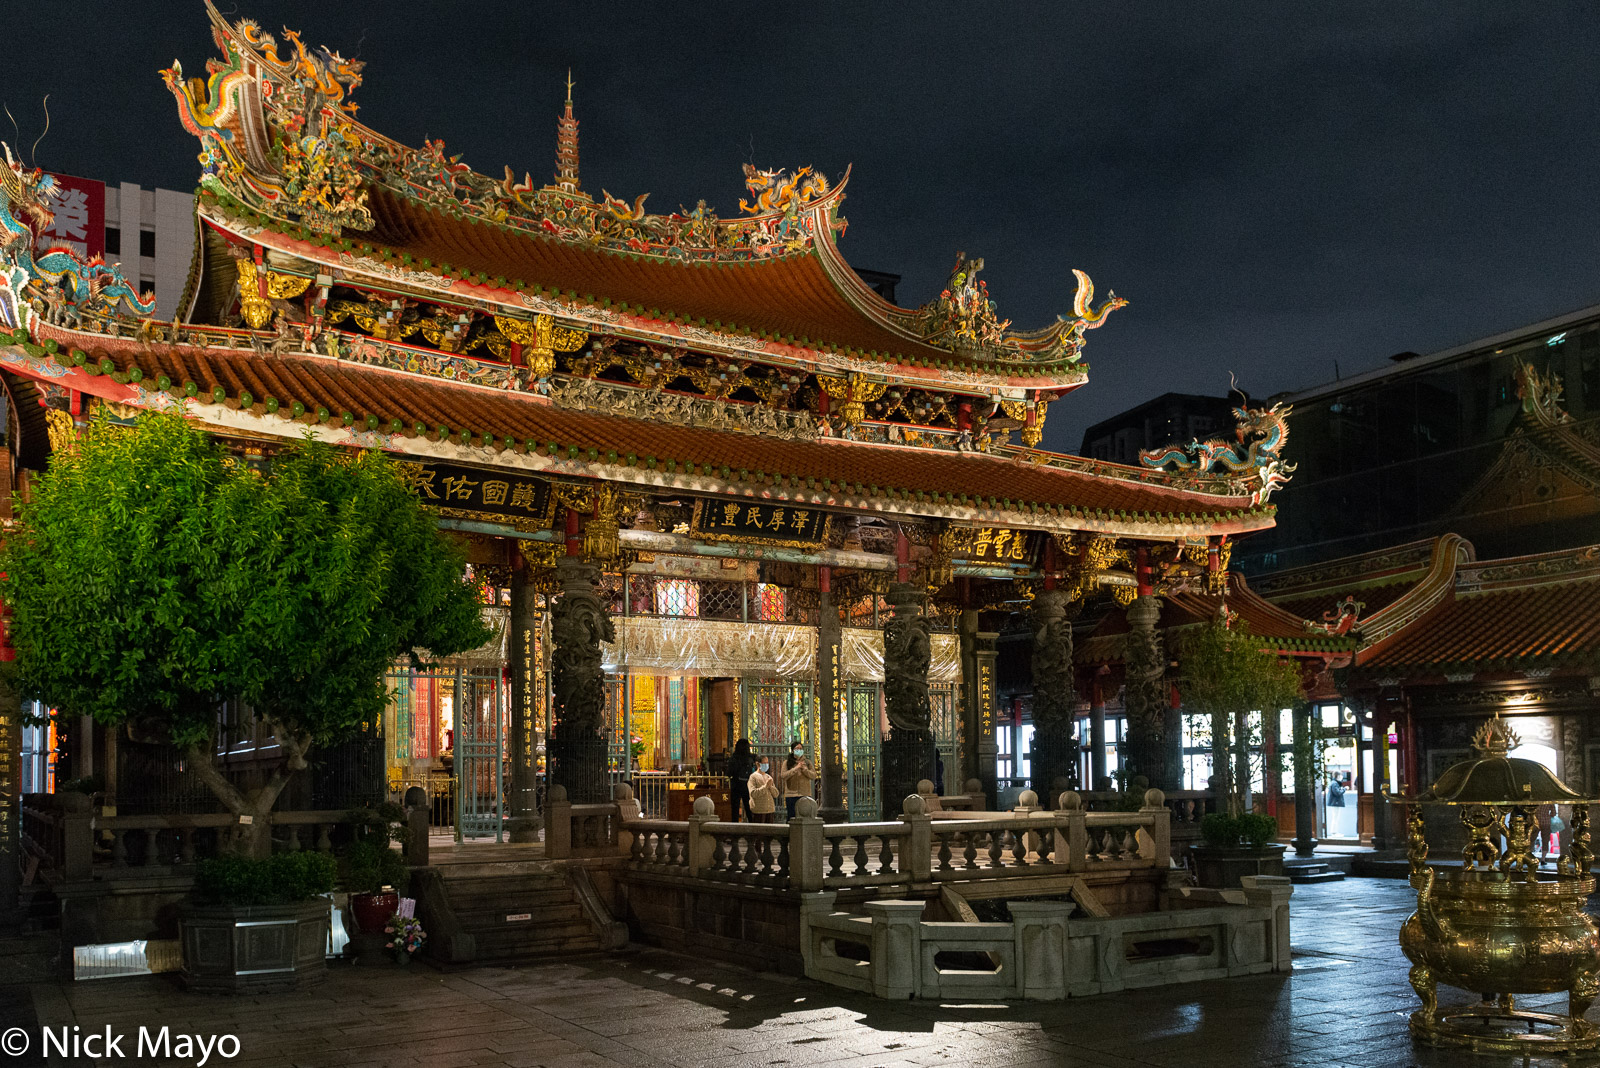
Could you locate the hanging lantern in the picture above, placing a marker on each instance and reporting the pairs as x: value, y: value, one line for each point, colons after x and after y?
x: 1497, y: 926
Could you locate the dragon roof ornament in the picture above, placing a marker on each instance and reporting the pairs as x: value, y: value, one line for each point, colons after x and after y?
x: 279, y: 135
x: 963, y: 319
x: 56, y: 282
x: 1255, y: 452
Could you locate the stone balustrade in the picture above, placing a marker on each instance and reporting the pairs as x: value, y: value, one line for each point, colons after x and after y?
x: 1047, y: 950
x: 806, y: 855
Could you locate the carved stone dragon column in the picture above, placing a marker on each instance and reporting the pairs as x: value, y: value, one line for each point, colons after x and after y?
x: 1055, y: 748
x: 579, y: 624
x: 908, y: 753
x: 1145, y: 696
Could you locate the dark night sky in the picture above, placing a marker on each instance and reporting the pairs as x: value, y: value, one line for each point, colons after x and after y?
x: 1275, y: 186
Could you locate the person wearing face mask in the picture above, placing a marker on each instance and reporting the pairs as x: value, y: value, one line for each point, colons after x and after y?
x: 798, y: 776
x: 763, y: 793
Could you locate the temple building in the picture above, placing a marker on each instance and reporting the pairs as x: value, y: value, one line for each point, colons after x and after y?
x: 698, y: 449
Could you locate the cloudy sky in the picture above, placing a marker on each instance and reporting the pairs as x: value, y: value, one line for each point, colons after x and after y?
x: 1276, y: 186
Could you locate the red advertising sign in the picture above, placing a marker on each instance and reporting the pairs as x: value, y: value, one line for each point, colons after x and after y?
x: 79, y: 205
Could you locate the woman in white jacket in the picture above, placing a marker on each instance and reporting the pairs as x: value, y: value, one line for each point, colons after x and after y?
x: 763, y: 793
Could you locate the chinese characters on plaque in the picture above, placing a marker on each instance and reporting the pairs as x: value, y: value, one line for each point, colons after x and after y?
x: 996, y: 545
x: 499, y: 494
x: 768, y: 521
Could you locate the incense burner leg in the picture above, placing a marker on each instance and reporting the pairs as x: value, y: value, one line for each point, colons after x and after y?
x: 1422, y: 981
x: 1508, y: 1004
x: 1582, y: 994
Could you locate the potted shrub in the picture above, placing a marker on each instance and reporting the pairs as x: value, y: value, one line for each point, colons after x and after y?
x: 257, y: 925
x: 375, y: 875
x: 1234, y: 846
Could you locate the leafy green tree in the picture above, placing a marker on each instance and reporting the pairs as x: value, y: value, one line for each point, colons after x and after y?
x: 1227, y: 672
x: 155, y: 577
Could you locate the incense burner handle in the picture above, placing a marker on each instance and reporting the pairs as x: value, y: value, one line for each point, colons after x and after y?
x: 1433, y: 925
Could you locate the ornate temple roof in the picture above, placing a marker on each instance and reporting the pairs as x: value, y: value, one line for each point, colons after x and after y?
x: 287, y: 166
x: 1535, y: 612
x: 1372, y: 594
x: 1280, y: 629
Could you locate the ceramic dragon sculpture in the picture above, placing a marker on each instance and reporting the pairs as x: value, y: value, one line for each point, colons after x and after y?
x: 774, y: 192
x: 66, y: 282
x: 1255, y: 452
x: 276, y: 131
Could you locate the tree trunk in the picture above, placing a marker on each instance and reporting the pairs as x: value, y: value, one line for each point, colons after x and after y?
x: 1221, y: 772
x: 252, y: 835
x: 1241, y: 767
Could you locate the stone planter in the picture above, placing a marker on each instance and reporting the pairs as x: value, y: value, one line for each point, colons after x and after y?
x: 251, y: 949
x: 1222, y: 868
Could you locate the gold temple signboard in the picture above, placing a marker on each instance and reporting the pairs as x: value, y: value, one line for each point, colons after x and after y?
x: 475, y: 493
x: 760, y: 522
x: 994, y: 545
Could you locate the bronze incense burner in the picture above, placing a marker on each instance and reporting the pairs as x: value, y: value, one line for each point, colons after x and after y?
x: 1496, y: 926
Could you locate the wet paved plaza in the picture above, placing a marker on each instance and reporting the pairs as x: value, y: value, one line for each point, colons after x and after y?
x: 1346, y: 1004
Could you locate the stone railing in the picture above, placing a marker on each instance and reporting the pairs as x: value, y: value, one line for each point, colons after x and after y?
x: 1047, y: 950
x: 587, y: 830
x: 806, y: 855
x: 73, y: 843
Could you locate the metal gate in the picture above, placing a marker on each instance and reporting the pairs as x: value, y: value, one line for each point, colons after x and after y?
x: 480, y: 745
x: 861, y: 735
x: 775, y: 712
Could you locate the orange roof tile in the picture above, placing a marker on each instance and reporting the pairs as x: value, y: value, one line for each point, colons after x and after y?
x: 1500, y: 628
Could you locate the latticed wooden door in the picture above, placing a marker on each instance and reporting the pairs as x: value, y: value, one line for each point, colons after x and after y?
x: 861, y: 734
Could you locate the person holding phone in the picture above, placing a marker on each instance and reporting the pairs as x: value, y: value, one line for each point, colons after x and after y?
x: 798, y: 775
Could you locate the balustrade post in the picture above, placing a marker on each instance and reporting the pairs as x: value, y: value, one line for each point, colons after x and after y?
x: 1155, y: 843
x: 77, y: 836
x: 805, y: 848
x: 1041, y: 948
x: 628, y: 808
x: 1071, y: 803
x: 1027, y: 805
x: 557, y: 824
x: 896, y: 948
x: 701, y: 844
x: 416, y: 827
x: 916, y: 856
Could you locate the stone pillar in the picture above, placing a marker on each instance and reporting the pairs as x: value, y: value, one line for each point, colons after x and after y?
x: 1055, y: 748
x: 908, y: 754
x: 977, y: 706
x: 579, y: 623
x: 1381, y: 809
x: 1097, y: 742
x: 830, y: 746
x: 1305, y: 802
x: 525, y: 737
x: 1145, y: 695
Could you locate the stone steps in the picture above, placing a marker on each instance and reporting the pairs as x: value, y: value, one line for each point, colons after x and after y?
x: 512, y: 913
x: 1312, y: 873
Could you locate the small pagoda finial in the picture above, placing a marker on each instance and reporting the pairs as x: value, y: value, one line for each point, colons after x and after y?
x: 567, y: 145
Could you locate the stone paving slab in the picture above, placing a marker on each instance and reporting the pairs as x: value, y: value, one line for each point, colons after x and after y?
x: 1345, y: 1006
